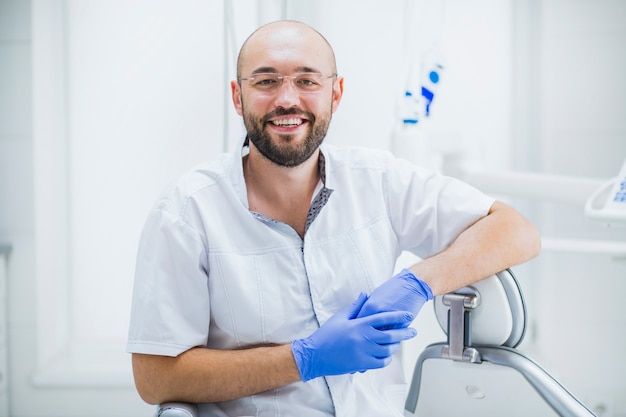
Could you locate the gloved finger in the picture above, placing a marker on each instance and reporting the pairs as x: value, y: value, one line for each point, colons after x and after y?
x: 358, y: 304
x: 381, y: 351
x: 392, y: 336
x: 389, y: 337
x: 383, y: 359
x: 376, y: 362
x: 381, y: 362
x: 388, y: 318
x: 393, y: 348
x: 353, y: 309
x: 395, y: 326
x: 389, y: 350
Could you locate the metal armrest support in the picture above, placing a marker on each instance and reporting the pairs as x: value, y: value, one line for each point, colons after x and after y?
x: 459, y: 327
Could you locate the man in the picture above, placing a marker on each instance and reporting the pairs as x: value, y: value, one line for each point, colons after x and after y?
x: 252, y: 270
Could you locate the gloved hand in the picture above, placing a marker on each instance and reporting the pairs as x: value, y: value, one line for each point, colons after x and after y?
x: 403, y: 292
x: 345, y: 344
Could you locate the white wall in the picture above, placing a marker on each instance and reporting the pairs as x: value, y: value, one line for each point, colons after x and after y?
x: 103, y: 102
x: 142, y: 88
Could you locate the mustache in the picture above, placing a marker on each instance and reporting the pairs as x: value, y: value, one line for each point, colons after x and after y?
x: 281, y: 111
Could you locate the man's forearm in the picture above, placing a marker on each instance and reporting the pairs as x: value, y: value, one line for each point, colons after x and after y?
x: 498, y: 241
x: 208, y: 375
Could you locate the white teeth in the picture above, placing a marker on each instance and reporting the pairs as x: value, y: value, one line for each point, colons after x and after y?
x: 286, y: 122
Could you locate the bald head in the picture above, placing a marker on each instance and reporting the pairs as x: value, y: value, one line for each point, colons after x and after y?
x: 284, y: 37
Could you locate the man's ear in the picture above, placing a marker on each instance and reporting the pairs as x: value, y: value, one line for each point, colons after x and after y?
x: 337, y: 92
x: 235, y: 90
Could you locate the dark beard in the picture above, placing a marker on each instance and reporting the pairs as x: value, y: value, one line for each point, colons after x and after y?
x: 287, y: 155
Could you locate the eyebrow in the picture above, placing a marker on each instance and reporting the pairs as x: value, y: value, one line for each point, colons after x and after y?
x: 272, y: 70
x: 262, y: 70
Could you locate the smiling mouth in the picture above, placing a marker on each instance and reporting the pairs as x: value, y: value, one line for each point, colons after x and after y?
x: 292, y: 122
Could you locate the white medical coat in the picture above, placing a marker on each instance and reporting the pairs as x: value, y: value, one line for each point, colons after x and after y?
x: 211, y: 273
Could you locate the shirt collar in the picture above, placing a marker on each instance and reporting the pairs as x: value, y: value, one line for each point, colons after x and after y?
x: 238, y: 180
x: 321, y: 194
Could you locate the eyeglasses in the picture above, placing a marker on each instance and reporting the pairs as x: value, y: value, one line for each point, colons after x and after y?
x: 304, y: 82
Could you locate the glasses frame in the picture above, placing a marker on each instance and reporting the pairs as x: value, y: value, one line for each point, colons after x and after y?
x: 281, y: 79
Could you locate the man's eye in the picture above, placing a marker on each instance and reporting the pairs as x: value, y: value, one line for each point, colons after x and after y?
x: 307, y: 82
x: 264, y: 82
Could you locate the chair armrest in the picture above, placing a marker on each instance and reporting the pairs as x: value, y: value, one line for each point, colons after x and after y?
x: 177, y: 409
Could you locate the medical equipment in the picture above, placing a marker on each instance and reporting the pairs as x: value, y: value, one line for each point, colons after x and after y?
x: 430, y: 81
x: 420, y: 93
x: 478, y: 371
x: 409, y: 138
x: 608, y: 203
x: 423, y: 40
x: 423, y: 68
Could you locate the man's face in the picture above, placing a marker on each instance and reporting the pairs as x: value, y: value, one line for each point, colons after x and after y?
x: 286, y: 136
x: 286, y: 123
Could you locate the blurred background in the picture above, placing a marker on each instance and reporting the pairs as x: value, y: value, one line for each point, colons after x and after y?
x: 104, y: 102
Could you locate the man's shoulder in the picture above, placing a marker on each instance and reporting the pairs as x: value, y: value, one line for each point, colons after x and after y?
x: 205, y: 174
x: 202, y: 178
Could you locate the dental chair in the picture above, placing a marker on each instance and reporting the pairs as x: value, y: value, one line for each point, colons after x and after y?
x: 477, y: 371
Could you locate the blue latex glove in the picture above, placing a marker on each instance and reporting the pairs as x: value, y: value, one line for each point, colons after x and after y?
x: 403, y: 292
x: 345, y: 344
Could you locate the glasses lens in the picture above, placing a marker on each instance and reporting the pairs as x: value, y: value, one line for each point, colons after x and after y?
x: 266, y: 82
x: 306, y: 82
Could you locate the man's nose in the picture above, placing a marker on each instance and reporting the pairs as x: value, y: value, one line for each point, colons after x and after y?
x: 287, y: 95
